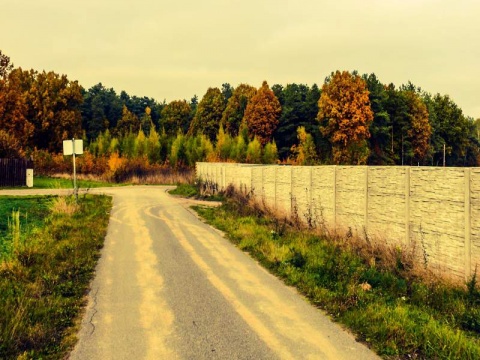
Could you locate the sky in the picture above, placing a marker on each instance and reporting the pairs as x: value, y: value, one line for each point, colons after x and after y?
x: 174, y: 49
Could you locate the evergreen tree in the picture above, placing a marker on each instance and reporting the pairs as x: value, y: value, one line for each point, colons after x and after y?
x: 235, y: 109
x: 209, y: 114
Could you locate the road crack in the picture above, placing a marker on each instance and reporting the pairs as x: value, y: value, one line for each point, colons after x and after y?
x: 94, y: 312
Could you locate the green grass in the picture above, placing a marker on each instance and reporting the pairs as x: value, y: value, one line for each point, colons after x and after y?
x: 44, y: 282
x: 32, y: 211
x: 185, y: 190
x: 400, y: 317
x: 193, y: 191
x: 44, y: 182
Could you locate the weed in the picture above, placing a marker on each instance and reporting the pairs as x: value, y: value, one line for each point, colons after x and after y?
x: 424, y: 247
x: 295, y: 218
x: 473, y: 295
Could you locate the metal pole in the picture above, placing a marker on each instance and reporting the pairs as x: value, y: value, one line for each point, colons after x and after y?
x: 74, y: 172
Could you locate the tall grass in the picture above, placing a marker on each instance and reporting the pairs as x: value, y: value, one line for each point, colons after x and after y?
x: 380, y: 292
x: 43, y: 282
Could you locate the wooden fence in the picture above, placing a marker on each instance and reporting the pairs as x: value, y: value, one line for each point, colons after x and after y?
x: 13, y: 172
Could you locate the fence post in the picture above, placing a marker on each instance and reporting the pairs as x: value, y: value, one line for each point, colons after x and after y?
x: 335, y: 198
x: 407, y: 205
x: 275, y: 189
x: 310, y: 189
x: 366, y: 201
x: 468, y: 224
x: 224, y: 167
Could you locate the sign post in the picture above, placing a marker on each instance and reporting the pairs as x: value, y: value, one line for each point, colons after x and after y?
x: 73, y: 147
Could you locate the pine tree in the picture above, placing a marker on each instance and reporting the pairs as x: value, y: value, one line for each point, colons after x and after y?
x: 209, y: 114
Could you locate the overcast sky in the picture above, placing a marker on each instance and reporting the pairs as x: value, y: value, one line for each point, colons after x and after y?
x: 173, y: 49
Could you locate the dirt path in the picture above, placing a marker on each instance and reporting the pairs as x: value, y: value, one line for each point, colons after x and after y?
x: 169, y: 286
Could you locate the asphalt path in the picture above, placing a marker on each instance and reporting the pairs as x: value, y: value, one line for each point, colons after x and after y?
x: 168, y: 286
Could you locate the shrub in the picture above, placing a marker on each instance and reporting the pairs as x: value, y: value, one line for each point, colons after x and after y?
x: 254, y: 152
x: 270, y: 153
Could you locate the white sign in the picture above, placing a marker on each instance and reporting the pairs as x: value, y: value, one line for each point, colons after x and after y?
x: 71, y: 147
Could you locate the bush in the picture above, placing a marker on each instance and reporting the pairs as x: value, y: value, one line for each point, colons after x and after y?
x: 270, y: 153
x: 254, y: 152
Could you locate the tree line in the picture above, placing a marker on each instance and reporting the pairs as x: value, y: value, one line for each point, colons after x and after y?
x: 351, y: 119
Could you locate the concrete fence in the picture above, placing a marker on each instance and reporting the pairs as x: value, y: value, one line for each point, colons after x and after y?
x: 435, y: 209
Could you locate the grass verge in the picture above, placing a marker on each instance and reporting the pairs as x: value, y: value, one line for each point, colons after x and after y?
x: 198, y: 191
x: 378, y: 295
x: 32, y: 210
x: 44, y: 281
x: 44, y: 182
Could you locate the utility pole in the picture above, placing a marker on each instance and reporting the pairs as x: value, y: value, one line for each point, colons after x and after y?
x: 443, y: 154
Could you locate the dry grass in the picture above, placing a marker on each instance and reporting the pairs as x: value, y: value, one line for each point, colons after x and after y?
x: 160, y: 177
x: 64, y: 205
x: 164, y: 178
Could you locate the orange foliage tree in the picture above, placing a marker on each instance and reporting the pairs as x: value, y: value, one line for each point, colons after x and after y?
x: 5, y: 65
x: 345, y: 116
x: 262, y: 114
x: 15, y: 129
x: 53, y: 107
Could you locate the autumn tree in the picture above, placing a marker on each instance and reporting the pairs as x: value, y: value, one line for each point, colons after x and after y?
x: 420, y: 129
x: 53, y: 107
x: 262, y: 114
x: 345, y: 116
x: 209, y: 114
x: 236, y: 105
x: 129, y: 123
x: 154, y: 147
x: 304, y: 153
x: 5, y: 65
x: 176, y: 116
x: 10, y: 146
x: 15, y: 129
x: 223, y: 146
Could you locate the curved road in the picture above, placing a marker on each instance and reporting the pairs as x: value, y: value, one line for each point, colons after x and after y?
x: 169, y: 286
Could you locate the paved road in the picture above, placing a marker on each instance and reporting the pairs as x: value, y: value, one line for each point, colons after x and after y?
x: 169, y: 286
